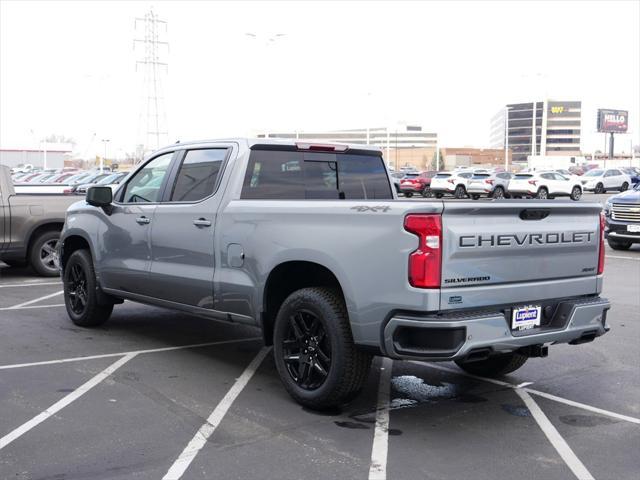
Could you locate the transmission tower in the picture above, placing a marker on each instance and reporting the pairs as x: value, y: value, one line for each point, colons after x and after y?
x: 152, y: 122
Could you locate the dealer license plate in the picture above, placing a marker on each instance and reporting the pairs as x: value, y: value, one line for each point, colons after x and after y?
x: 524, y: 318
x: 633, y: 228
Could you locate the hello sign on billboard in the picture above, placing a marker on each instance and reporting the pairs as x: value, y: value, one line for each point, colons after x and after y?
x: 613, y: 121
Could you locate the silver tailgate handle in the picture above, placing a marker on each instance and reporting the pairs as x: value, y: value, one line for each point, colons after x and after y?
x: 202, y: 222
x: 143, y: 220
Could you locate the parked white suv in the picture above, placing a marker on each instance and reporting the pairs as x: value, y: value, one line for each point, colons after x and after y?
x: 601, y: 180
x: 544, y: 185
x: 454, y: 183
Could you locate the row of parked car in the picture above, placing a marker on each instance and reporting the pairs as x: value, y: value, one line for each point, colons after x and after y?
x: 476, y: 183
x: 71, y: 181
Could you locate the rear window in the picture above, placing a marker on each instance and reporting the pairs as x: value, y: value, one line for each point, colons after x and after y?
x: 523, y: 176
x: 295, y: 175
x: 443, y: 175
x: 481, y: 175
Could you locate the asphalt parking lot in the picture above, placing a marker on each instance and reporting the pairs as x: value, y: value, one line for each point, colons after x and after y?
x: 157, y: 394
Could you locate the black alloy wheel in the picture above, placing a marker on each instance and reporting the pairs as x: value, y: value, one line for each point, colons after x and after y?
x: 77, y: 289
x: 624, y: 187
x: 84, y: 306
x: 599, y: 189
x: 426, y: 193
x: 306, y: 350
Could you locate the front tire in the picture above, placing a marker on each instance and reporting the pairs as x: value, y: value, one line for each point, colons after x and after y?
x: 460, y: 192
x: 81, y: 292
x: 599, y: 189
x: 43, y: 254
x: 498, y: 193
x: 617, y: 245
x: 426, y: 193
x: 494, y: 366
x: 624, y: 187
x: 576, y: 193
x: 318, y: 363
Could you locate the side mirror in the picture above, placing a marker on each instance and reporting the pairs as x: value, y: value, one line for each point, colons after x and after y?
x: 100, y: 197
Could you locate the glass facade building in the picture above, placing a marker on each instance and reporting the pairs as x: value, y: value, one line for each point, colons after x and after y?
x: 549, y: 127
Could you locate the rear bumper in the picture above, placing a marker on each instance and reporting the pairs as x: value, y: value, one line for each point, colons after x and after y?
x: 411, y: 188
x: 522, y: 192
x: 456, y: 335
x: 479, y: 190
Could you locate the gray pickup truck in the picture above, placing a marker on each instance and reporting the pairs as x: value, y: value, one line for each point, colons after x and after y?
x: 309, y: 243
x: 30, y: 226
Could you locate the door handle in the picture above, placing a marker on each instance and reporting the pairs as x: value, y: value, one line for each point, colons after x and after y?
x: 202, y: 222
x: 142, y: 220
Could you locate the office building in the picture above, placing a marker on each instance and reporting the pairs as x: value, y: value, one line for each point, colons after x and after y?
x: 540, y: 128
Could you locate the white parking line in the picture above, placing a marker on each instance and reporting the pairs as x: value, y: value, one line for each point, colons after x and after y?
x: 555, y: 398
x: 561, y: 446
x: 60, y: 404
x: 21, y: 305
x: 380, y: 447
x: 200, y: 439
x: 28, y: 284
x: 120, y: 354
x: 619, y: 416
x: 32, y: 307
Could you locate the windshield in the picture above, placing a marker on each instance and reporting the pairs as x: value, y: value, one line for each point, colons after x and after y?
x: 593, y: 173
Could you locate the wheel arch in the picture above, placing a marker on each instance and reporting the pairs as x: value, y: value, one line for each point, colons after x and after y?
x: 284, y: 279
x: 70, y: 243
x: 39, y: 228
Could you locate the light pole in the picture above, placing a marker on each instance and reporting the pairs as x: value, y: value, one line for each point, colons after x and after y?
x: 103, y: 158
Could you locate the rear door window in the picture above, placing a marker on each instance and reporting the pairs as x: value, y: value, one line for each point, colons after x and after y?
x: 278, y: 174
x: 198, y: 174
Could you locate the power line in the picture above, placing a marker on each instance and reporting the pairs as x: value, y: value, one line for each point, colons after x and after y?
x: 152, y: 121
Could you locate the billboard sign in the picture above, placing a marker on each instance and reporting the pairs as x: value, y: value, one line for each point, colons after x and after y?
x: 613, y: 121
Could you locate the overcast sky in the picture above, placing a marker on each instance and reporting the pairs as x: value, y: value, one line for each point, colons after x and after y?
x: 69, y: 67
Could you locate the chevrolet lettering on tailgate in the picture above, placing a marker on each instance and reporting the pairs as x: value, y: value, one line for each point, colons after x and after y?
x: 509, y: 240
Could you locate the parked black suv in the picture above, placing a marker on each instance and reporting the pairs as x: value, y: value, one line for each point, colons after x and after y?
x: 622, y: 214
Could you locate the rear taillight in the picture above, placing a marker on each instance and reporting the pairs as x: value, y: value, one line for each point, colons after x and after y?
x: 67, y: 191
x: 601, y: 251
x: 533, y: 182
x: 425, y: 262
x: 489, y: 181
x: 451, y: 180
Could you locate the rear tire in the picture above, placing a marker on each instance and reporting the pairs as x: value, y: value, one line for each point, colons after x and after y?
x: 494, y: 366
x: 498, y: 193
x: 576, y: 193
x: 408, y: 194
x: 617, y: 245
x: 318, y: 363
x: 460, y: 192
x: 426, y: 193
x: 475, y: 196
x: 81, y: 292
x: 43, y: 254
x: 439, y: 195
x: 542, y: 194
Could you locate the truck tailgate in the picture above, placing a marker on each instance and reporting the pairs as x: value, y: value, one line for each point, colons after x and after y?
x: 506, y: 251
